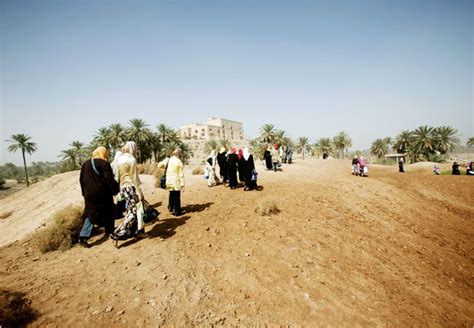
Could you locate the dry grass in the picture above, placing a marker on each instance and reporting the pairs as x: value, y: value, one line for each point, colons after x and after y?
x: 147, y: 168
x: 266, y: 207
x: 5, y: 215
x: 198, y: 171
x: 15, y: 310
x: 62, y: 232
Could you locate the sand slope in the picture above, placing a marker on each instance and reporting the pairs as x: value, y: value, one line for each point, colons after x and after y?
x: 391, y: 249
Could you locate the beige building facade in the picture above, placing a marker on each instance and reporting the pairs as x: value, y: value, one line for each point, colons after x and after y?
x: 215, y: 128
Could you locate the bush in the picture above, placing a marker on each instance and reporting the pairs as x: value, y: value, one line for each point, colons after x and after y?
x: 15, y: 310
x: 266, y: 207
x: 2, y: 183
x: 140, y: 168
x: 198, y: 171
x: 62, y: 232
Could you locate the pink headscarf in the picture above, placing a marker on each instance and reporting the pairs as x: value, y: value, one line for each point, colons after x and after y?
x: 240, y: 154
x: 275, y: 146
x: 232, y: 151
x: 361, y: 161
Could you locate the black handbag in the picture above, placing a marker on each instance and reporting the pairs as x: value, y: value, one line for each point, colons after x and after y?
x: 149, y: 213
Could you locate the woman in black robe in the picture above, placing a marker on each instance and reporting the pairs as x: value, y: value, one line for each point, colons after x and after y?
x: 222, y: 162
x: 268, y: 158
x: 98, y: 187
x: 232, y: 164
x: 248, y: 167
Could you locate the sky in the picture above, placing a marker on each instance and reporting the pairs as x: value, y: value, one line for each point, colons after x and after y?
x: 311, y: 68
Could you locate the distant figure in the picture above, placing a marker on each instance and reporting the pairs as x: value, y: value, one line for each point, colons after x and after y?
x: 361, y: 166
x: 456, y: 169
x: 436, y: 169
x: 232, y: 165
x: 131, y: 192
x: 289, y: 155
x: 325, y: 155
x: 355, y: 166
x: 211, y: 162
x: 275, y: 157
x: 248, y: 167
x: 469, y: 169
x: 222, y: 161
x: 240, y: 168
x: 114, y: 164
x: 174, y: 180
x: 400, y: 166
x: 268, y: 157
x: 98, y: 187
x: 282, y: 153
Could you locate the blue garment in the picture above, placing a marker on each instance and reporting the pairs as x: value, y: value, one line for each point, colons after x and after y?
x: 86, y: 230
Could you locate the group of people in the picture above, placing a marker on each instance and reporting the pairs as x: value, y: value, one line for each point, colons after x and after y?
x: 234, y: 167
x: 359, y: 167
x: 105, y: 185
x: 456, y: 171
x: 274, y: 156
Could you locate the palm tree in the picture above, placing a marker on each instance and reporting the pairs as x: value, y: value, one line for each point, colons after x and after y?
x: 446, y: 139
x: 116, y: 136
x: 101, y: 138
x: 70, y: 155
x: 470, y: 142
x: 302, y: 145
x: 379, y: 148
x: 139, y: 133
x: 257, y: 148
x: 267, y: 133
x: 403, y: 141
x: 210, y: 145
x: 424, y: 142
x: 279, y: 137
x: 22, y: 141
x: 323, y: 146
x: 225, y: 143
x: 165, y: 133
x: 342, y: 142
x: 78, y: 147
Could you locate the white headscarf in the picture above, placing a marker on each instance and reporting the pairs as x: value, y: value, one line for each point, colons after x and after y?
x: 246, y: 153
x: 130, y: 148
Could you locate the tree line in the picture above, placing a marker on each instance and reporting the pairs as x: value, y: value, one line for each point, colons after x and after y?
x: 424, y: 143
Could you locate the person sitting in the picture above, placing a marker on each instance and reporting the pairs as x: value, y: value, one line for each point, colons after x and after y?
x: 469, y: 169
x: 437, y: 169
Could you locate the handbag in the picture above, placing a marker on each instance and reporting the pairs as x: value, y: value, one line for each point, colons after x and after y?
x: 163, y: 178
x: 149, y: 213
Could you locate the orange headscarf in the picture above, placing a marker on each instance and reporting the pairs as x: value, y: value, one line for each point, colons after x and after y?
x: 101, y: 152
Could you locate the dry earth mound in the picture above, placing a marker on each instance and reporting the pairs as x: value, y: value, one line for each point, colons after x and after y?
x: 390, y: 249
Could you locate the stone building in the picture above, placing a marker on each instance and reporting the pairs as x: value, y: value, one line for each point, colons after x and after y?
x: 215, y: 128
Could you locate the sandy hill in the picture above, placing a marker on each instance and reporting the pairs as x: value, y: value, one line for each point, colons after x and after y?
x: 391, y: 249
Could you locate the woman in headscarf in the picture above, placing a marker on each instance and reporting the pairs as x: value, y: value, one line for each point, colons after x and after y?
x: 211, y: 162
x: 131, y: 192
x: 248, y: 168
x: 361, y: 166
x: 222, y: 161
x: 268, y: 157
x: 98, y: 187
x: 174, y: 180
x: 114, y: 164
x: 232, y: 164
x: 240, y: 165
x: 275, y: 157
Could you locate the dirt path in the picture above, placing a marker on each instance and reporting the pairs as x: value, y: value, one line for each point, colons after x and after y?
x: 386, y: 250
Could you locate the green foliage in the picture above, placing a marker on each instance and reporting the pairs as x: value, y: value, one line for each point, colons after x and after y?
x: 303, y: 146
x: 470, y: 142
x: 210, y: 146
x: 22, y: 141
x: 379, y: 148
x: 342, y: 142
x: 323, y: 146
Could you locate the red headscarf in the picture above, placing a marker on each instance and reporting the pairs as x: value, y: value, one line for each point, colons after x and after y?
x: 232, y: 151
x: 240, y: 154
x: 275, y: 146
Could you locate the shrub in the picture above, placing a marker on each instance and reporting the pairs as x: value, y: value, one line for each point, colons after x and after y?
x: 15, y: 310
x: 198, y: 171
x: 266, y: 207
x: 140, y: 168
x: 62, y: 232
x: 2, y: 183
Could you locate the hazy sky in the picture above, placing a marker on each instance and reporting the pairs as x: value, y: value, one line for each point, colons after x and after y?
x: 312, y: 68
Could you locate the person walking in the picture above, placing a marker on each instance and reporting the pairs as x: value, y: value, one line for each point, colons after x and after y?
x: 248, y: 168
x: 455, y: 168
x: 400, y: 166
x: 174, y: 180
x: 267, y: 156
x: 211, y: 162
x: 275, y: 157
x: 232, y: 166
x: 222, y: 162
x: 98, y: 187
x: 131, y: 192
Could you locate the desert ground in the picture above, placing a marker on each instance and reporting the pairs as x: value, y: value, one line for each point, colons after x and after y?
x: 388, y: 250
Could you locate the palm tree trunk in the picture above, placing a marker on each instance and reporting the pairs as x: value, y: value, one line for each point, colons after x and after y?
x: 26, y: 170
